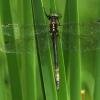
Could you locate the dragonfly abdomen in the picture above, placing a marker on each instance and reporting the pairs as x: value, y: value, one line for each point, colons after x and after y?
x: 56, y: 62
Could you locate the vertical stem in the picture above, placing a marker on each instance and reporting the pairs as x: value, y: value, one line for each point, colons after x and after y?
x: 71, y: 16
x: 52, y: 6
x: 97, y: 76
x: 11, y: 57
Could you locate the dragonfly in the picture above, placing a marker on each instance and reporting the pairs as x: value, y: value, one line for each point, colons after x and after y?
x: 54, y: 20
x: 88, y: 35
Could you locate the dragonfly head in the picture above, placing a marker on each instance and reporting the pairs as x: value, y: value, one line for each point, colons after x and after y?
x: 54, y: 15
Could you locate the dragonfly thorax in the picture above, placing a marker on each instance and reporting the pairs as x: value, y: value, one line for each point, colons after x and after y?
x: 53, y: 24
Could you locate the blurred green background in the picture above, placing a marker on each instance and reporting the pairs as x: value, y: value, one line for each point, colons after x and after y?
x: 26, y: 53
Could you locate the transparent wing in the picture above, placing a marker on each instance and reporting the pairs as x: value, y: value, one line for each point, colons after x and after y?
x: 87, y: 35
x: 44, y: 28
x: 21, y: 39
